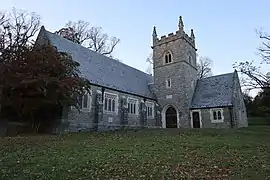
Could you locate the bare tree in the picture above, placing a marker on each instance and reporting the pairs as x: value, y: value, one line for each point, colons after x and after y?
x: 80, y: 29
x: 91, y: 37
x: 204, y: 65
x: 100, y: 42
x: 254, y: 78
x: 149, y: 60
x: 18, y: 28
x: 2, y: 18
x: 2, y: 33
x: 264, y: 50
x: 70, y: 34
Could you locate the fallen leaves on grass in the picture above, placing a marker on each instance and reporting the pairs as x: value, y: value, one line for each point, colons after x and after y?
x: 143, y: 154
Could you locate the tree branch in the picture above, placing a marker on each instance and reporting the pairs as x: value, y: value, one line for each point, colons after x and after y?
x: 204, y: 67
x: 92, y: 37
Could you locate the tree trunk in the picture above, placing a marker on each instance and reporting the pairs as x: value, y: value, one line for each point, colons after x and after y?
x: 3, y: 127
x: 37, y: 126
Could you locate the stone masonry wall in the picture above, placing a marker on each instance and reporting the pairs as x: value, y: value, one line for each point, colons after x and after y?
x: 239, y: 108
x: 98, y: 119
x: 181, y: 72
x: 206, y: 118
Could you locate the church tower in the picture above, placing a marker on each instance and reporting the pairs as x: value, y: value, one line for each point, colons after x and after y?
x: 174, y: 67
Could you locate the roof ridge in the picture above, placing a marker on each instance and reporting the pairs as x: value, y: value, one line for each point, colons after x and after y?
x: 97, y: 53
x: 218, y: 75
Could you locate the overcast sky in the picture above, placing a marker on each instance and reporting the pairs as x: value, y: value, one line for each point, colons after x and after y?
x: 224, y: 30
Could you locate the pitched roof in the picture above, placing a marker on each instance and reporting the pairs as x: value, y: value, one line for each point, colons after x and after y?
x: 215, y: 91
x: 102, y: 70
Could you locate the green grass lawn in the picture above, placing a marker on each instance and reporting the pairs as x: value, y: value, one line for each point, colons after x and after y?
x: 145, y: 154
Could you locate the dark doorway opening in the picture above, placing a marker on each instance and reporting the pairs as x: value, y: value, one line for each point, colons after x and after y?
x: 196, y: 119
x: 171, y: 118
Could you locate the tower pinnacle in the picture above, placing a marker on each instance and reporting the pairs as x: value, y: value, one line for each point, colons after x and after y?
x: 180, y: 24
x: 154, y: 34
x: 192, y: 34
x: 154, y: 31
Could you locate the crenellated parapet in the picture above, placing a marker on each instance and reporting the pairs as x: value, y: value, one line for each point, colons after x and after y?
x: 180, y: 33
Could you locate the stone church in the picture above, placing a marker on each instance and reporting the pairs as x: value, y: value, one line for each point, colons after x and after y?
x: 122, y: 96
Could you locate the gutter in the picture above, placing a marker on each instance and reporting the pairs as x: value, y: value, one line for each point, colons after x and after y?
x: 123, y: 91
x: 209, y: 107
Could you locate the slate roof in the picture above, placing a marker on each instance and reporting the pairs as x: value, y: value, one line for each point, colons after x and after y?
x: 102, y: 70
x: 215, y: 91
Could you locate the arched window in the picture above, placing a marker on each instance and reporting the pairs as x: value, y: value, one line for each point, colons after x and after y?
x: 113, y: 105
x: 167, y: 57
x: 85, y: 101
x: 106, y: 102
x: 110, y: 105
x: 190, y: 59
x: 133, y: 106
x: 110, y: 102
x: 219, y: 115
x: 170, y: 57
x: 214, y: 115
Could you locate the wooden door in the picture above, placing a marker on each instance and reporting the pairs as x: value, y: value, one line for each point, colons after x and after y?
x: 196, y: 119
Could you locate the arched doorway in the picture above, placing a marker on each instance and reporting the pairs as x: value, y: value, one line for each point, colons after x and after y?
x: 171, y: 118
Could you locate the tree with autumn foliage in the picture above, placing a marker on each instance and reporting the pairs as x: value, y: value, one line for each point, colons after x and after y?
x: 36, y: 81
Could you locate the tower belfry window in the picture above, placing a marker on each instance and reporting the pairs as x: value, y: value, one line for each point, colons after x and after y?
x: 168, y: 57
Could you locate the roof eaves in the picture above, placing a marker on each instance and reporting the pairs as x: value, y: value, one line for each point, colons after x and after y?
x: 210, y: 107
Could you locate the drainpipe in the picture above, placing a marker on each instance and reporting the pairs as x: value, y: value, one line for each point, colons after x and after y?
x: 144, y: 113
x: 102, y: 95
x: 231, y: 116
